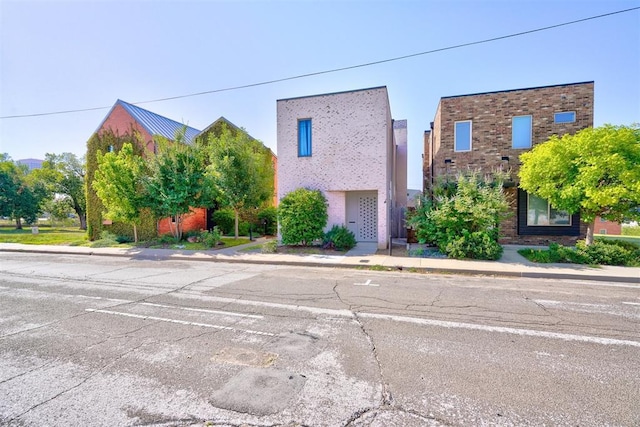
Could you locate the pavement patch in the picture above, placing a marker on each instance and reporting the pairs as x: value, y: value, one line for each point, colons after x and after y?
x: 245, y: 357
x: 259, y: 391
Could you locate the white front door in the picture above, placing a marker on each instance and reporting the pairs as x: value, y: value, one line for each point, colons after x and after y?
x: 362, y: 215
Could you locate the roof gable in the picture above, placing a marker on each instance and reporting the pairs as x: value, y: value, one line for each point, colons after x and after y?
x: 156, y: 124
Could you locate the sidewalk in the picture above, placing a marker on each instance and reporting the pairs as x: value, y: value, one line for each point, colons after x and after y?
x: 511, y: 264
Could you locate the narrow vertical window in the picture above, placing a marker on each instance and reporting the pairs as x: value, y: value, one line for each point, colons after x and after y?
x: 521, y: 132
x: 304, y: 138
x: 462, y: 136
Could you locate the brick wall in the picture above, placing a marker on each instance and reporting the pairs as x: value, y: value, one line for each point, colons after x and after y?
x: 196, y: 220
x: 607, y: 227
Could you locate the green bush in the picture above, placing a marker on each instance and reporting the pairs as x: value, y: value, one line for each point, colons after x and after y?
x: 462, y: 215
x: 270, y: 215
x: 211, y: 238
x: 270, y: 247
x: 630, y: 230
x: 243, y: 229
x: 303, y: 215
x: 225, y: 220
x: 106, y: 240
x: 166, y: 239
x: 124, y: 239
x: 476, y: 245
x: 600, y: 252
x: 340, y: 238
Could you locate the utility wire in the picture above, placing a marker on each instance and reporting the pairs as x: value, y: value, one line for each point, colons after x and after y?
x: 335, y: 70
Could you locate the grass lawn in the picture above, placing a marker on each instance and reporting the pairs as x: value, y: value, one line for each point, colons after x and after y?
x: 45, y: 236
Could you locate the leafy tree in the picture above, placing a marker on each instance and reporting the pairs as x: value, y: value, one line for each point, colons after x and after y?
x: 20, y: 196
x: 303, y: 215
x: 463, y: 218
x: 177, y: 181
x: 595, y: 172
x: 118, y: 184
x: 64, y: 175
x: 241, y: 170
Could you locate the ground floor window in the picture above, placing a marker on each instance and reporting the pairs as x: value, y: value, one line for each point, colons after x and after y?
x: 537, y: 218
x: 541, y: 213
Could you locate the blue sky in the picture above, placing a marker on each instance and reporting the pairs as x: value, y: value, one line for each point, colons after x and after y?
x: 65, y: 55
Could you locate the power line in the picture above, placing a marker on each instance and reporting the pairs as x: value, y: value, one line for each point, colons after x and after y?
x: 335, y: 70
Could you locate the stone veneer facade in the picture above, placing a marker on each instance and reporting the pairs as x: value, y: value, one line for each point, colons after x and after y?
x: 353, y: 150
x: 491, y: 146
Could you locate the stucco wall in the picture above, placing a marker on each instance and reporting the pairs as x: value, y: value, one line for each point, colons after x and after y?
x: 351, y: 137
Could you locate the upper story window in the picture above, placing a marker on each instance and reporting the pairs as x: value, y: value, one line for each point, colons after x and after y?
x: 304, y: 138
x: 462, y: 136
x: 540, y: 212
x: 564, y: 117
x: 521, y: 131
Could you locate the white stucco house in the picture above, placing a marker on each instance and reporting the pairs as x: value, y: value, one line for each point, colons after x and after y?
x: 347, y: 145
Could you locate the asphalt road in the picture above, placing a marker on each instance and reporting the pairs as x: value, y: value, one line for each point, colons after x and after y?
x: 101, y: 341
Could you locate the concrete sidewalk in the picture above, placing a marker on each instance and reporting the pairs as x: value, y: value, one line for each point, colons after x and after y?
x: 511, y: 264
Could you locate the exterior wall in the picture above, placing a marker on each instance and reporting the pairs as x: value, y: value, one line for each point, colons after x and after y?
x: 196, y: 220
x: 400, y: 138
x: 491, y: 141
x: 351, y: 144
x: 602, y: 226
x: 120, y: 122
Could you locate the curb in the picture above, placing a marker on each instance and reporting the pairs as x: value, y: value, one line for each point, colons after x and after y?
x: 424, y: 270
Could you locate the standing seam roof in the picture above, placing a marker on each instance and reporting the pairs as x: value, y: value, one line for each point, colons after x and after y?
x: 156, y: 124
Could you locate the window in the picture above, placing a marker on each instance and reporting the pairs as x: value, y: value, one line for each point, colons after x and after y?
x: 110, y: 149
x: 540, y: 212
x: 462, y: 136
x: 564, y: 117
x: 304, y: 138
x: 521, y: 132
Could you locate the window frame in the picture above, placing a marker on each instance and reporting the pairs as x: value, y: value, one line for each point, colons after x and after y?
x: 555, y: 117
x: 513, y: 140
x: 455, y: 136
x: 310, y: 135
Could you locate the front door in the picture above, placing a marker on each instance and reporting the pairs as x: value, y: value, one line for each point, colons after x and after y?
x: 362, y: 215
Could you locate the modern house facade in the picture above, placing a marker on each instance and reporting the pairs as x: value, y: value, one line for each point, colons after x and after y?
x: 346, y: 145
x: 489, y: 131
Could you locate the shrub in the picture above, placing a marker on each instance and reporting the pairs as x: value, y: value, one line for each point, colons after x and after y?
x: 124, y: 239
x: 605, y: 252
x: 303, y: 215
x: 476, y: 245
x: 340, y: 238
x: 225, y: 220
x: 463, y: 214
x: 210, y: 238
x: 270, y: 247
x: 630, y: 230
x: 106, y: 240
x: 166, y: 239
x: 243, y: 229
x: 270, y: 215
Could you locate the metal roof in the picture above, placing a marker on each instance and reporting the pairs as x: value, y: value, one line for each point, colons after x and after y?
x: 156, y: 124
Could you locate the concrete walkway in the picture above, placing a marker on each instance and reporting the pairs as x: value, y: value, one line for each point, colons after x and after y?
x: 511, y: 264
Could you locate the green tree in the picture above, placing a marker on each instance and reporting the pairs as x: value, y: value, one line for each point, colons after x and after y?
x: 118, y: 184
x: 595, y: 172
x: 177, y: 181
x: 241, y: 170
x: 302, y: 214
x: 64, y: 175
x: 21, y: 197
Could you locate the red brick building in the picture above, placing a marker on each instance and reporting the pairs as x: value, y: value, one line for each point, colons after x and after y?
x: 489, y: 131
x: 125, y: 119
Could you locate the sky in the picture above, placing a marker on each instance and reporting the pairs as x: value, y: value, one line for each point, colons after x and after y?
x: 70, y: 55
